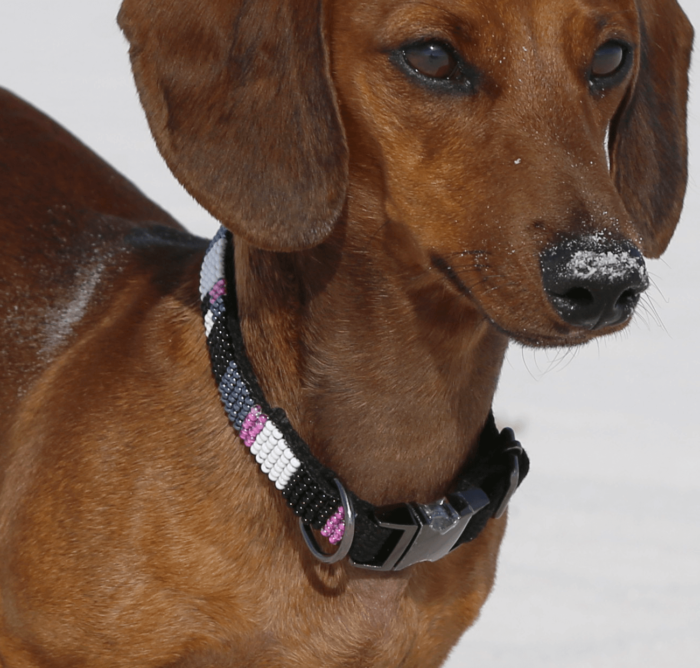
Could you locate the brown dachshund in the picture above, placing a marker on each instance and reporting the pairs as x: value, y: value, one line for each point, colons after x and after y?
x: 409, y: 185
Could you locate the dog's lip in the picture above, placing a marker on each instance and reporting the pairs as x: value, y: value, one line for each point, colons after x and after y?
x: 576, y: 338
x: 570, y: 338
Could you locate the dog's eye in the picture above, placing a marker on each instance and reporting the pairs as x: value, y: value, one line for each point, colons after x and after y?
x: 608, y: 60
x: 431, y: 59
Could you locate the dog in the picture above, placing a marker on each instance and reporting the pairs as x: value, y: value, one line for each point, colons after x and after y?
x: 404, y: 188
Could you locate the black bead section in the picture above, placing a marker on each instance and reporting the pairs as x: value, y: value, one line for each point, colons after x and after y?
x: 308, y: 500
x: 220, y: 348
x: 324, y: 514
x: 293, y: 488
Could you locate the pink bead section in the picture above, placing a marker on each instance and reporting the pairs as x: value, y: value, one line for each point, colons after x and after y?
x: 335, y: 527
x: 252, y: 425
x: 218, y: 290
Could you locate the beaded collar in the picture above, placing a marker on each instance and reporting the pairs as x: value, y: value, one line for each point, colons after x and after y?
x: 382, y: 538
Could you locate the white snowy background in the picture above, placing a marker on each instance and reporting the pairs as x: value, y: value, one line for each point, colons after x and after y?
x: 601, y: 563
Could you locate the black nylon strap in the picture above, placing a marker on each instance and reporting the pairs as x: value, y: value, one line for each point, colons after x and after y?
x: 490, y: 470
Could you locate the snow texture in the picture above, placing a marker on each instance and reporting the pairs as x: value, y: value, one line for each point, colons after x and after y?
x: 59, y: 321
x: 600, y: 566
x: 589, y: 264
x: 593, y: 261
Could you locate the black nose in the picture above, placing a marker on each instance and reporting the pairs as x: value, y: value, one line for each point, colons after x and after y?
x: 594, y: 281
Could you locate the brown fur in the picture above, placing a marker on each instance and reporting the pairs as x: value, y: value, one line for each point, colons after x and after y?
x: 387, y: 248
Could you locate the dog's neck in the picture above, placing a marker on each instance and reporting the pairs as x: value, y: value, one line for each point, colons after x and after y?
x: 382, y: 366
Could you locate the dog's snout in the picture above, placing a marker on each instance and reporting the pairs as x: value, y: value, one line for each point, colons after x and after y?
x: 594, y: 281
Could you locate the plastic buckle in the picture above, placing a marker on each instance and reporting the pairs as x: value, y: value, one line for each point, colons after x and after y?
x: 428, y: 530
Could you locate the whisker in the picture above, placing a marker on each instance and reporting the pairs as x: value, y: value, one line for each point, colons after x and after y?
x: 647, y: 307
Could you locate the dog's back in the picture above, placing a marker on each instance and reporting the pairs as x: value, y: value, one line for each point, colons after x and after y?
x: 65, y: 217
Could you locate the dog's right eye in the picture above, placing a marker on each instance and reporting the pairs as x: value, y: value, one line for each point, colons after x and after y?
x: 608, y: 59
x: 609, y: 66
x: 431, y: 59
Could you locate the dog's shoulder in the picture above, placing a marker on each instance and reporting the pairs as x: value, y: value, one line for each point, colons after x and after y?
x: 76, y: 238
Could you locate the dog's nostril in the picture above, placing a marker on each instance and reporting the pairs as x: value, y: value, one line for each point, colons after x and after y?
x: 629, y: 299
x: 593, y: 282
x: 579, y: 296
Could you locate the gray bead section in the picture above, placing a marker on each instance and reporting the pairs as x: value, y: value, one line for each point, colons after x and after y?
x: 235, y: 395
x: 243, y: 413
x: 218, y: 308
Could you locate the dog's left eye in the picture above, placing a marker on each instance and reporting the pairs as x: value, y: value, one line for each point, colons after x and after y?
x: 431, y: 59
x: 608, y: 60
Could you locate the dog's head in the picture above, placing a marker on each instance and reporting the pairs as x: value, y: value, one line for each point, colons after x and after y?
x: 531, y: 150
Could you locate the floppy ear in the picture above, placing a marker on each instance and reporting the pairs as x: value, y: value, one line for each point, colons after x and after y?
x: 240, y: 102
x: 648, y: 138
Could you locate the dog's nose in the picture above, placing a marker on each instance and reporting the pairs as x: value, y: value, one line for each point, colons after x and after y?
x: 594, y: 281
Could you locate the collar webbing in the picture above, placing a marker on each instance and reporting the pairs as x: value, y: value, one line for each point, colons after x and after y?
x: 385, y: 538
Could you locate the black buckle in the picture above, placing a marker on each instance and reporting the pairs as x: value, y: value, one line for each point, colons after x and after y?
x: 428, y: 530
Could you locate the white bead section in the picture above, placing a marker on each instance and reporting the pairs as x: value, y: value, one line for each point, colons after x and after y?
x: 287, y: 472
x: 274, y: 456
x: 271, y: 457
x: 208, y: 322
x: 212, y: 267
x: 261, y: 438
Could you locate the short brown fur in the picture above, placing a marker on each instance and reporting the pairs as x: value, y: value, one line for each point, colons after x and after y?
x: 387, y: 244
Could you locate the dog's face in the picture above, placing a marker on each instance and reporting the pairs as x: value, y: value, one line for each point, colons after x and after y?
x: 529, y: 148
x: 491, y: 122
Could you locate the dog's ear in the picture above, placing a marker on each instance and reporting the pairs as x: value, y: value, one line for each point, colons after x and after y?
x: 240, y: 102
x: 648, y: 137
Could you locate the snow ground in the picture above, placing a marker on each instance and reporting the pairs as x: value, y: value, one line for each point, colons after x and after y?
x: 601, y: 563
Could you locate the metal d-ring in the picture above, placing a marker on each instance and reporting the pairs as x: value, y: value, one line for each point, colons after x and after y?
x: 348, y: 535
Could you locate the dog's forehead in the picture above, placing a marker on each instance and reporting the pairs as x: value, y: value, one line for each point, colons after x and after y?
x: 488, y: 23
